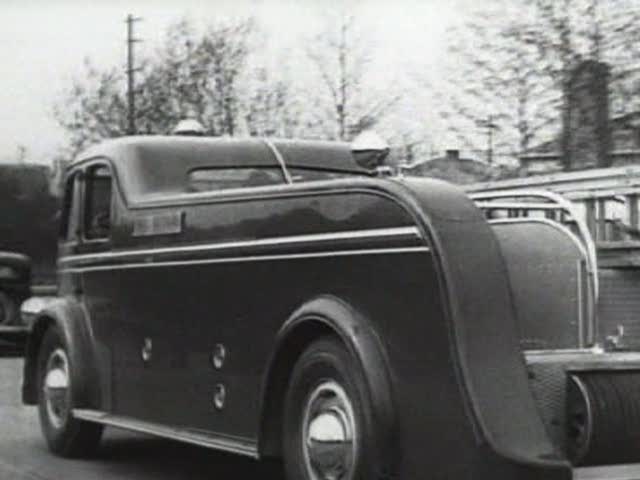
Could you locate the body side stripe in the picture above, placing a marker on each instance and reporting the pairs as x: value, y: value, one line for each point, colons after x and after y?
x: 253, y: 258
x: 293, y: 240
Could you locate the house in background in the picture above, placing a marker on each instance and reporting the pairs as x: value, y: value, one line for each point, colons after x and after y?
x: 589, y: 137
x: 456, y: 169
x: 624, y: 149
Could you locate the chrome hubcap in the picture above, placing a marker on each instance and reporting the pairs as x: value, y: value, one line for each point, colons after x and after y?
x: 56, y: 388
x: 329, y: 433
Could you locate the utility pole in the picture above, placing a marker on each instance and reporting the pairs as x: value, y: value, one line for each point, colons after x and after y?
x: 490, y: 126
x: 131, y: 103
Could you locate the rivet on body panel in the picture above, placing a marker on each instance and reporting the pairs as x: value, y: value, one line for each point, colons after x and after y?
x: 218, y: 356
x: 219, y: 396
x: 147, y: 350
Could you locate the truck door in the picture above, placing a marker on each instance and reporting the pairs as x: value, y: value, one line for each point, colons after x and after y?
x: 131, y: 326
x: 114, y: 332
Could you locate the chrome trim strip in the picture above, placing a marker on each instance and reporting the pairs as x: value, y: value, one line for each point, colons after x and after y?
x: 245, y: 447
x: 579, y: 294
x: 14, y: 329
x: 275, y: 241
x: 279, y: 158
x: 256, y: 258
x: 567, y: 351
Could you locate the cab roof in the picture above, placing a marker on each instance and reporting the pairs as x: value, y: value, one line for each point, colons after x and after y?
x: 147, y: 165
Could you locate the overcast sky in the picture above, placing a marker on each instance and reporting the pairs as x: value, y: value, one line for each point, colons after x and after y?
x: 43, y: 44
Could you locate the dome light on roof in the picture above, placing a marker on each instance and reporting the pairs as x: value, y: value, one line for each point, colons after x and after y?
x: 188, y: 126
x: 369, y: 149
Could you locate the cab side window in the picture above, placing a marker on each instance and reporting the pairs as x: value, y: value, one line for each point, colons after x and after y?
x: 215, y: 179
x: 97, y: 207
x: 69, y: 227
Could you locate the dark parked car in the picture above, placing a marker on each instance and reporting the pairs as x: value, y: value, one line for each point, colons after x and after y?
x: 15, y: 287
x: 29, y: 212
x: 276, y: 298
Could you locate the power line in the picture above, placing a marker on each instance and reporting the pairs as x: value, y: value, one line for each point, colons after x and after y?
x: 131, y: 103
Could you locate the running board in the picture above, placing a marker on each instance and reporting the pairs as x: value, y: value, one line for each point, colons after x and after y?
x: 608, y: 472
x: 209, y: 440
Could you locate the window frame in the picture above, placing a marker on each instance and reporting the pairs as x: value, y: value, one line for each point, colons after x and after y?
x: 343, y: 174
x: 72, y: 209
x: 83, y: 218
x: 275, y: 168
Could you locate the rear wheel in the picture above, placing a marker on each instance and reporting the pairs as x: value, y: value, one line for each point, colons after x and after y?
x: 65, y: 435
x: 327, y: 430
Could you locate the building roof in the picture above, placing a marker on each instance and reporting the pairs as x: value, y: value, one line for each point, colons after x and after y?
x: 456, y: 170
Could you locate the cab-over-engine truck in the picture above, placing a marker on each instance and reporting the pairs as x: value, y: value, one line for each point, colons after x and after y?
x: 277, y: 298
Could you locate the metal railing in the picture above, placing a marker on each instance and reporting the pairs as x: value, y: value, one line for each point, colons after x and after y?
x: 523, y: 202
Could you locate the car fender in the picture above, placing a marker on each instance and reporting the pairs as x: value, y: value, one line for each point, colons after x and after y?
x: 71, y: 319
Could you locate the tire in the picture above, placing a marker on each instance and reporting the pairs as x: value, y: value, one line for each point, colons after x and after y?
x: 327, y: 425
x: 66, y: 436
x: 8, y: 309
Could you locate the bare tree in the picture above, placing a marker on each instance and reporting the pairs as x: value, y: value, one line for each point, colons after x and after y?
x: 190, y: 75
x: 496, y: 99
x: 516, y: 66
x: 340, y: 56
x: 198, y: 76
x: 270, y: 108
x: 94, y: 107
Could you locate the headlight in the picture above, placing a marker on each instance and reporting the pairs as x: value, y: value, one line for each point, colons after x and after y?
x: 34, y: 304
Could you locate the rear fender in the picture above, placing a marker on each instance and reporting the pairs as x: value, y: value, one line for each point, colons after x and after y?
x: 321, y: 316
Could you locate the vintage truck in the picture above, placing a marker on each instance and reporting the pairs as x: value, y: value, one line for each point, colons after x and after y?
x: 280, y: 299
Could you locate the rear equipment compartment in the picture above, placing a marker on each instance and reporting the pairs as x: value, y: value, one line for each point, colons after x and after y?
x: 579, y: 328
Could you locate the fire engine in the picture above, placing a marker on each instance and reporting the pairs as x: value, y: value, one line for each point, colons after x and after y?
x: 278, y: 298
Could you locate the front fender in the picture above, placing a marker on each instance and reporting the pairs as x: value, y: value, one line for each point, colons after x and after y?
x: 70, y: 318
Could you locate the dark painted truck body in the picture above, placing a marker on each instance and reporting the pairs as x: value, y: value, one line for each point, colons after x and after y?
x: 197, y: 276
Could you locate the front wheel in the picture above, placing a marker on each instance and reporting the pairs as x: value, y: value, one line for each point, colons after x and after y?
x: 65, y: 435
x: 327, y: 430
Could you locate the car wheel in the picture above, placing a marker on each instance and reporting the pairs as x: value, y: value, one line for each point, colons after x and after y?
x: 8, y: 309
x: 327, y: 430
x: 65, y: 435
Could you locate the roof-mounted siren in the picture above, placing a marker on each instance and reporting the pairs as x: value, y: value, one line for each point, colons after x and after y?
x: 188, y: 127
x: 369, y: 151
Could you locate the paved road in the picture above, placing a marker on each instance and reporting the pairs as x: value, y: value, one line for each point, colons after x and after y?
x: 23, y: 455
